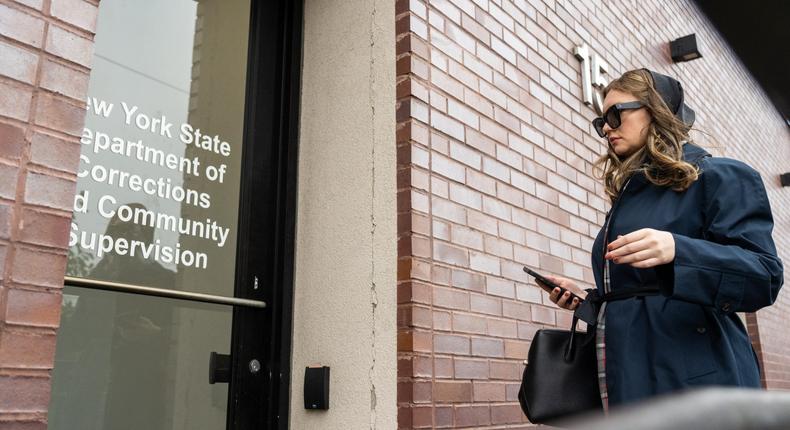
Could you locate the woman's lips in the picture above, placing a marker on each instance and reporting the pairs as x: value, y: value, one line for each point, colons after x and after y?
x: 612, y: 140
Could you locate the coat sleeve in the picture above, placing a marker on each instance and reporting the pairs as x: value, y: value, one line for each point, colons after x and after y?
x: 734, y: 267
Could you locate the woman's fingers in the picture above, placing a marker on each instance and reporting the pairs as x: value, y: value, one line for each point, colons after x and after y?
x: 562, y: 302
x: 562, y: 282
x: 628, y: 238
x: 565, y: 300
x: 554, y: 279
x: 650, y: 262
x: 637, y: 257
x: 641, y: 247
x: 629, y: 248
x: 558, y: 299
x: 569, y: 300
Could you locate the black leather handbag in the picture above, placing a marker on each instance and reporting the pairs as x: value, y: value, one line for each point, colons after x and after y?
x: 561, y: 378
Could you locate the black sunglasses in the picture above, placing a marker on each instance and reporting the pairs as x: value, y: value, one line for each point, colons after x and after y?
x: 612, y: 116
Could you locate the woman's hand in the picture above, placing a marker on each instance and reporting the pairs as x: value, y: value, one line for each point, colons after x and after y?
x: 643, y: 248
x: 565, y: 301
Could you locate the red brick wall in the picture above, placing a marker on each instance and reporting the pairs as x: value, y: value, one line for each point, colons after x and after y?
x: 46, y: 48
x: 494, y: 172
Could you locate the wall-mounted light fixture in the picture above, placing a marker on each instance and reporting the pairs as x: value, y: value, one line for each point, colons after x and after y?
x: 684, y: 48
x: 784, y: 178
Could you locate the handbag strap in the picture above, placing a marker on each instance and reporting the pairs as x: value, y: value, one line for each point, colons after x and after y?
x: 570, y: 345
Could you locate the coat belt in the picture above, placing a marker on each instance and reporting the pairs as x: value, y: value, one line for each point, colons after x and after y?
x: 588, y: 308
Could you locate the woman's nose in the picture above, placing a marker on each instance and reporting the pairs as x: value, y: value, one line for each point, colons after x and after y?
x: 606, y: 129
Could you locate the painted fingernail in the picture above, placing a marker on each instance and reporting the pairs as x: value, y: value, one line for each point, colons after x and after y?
x: 567, y: 294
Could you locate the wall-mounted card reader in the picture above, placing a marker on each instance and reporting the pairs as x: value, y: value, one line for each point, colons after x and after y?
x: 316, y: 387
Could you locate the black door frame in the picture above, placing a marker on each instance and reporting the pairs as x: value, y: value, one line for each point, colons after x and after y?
x: 267, y: 218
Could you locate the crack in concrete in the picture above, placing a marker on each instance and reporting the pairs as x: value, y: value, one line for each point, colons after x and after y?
x: 373, y: 293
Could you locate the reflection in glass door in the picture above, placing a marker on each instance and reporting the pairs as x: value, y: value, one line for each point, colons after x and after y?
x: 127, y: 361
x: 156, y: 211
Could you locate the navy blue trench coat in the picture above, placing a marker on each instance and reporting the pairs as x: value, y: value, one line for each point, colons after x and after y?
x: 725, y: 262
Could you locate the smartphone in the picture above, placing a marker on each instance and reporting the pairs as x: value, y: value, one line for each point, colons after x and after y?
x: 548, y: 283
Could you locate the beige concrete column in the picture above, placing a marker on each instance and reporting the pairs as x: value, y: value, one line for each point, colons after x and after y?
x: 344, y: 301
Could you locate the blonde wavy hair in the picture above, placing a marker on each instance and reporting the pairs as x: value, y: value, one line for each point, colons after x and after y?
x: 661, y: 158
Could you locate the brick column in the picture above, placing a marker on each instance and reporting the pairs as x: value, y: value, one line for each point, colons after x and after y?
x: 46, y: 48
x: 495, y: 171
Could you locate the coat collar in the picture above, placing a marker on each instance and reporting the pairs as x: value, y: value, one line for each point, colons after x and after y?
x: 691, y: 154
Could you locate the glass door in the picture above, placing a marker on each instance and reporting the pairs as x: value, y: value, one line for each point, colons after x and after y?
x: 176, y: 302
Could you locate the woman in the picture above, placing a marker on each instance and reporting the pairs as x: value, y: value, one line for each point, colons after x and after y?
x: 688, y: 240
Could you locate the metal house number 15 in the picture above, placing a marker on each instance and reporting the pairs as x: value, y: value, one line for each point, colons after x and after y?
x: 593, y: 82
